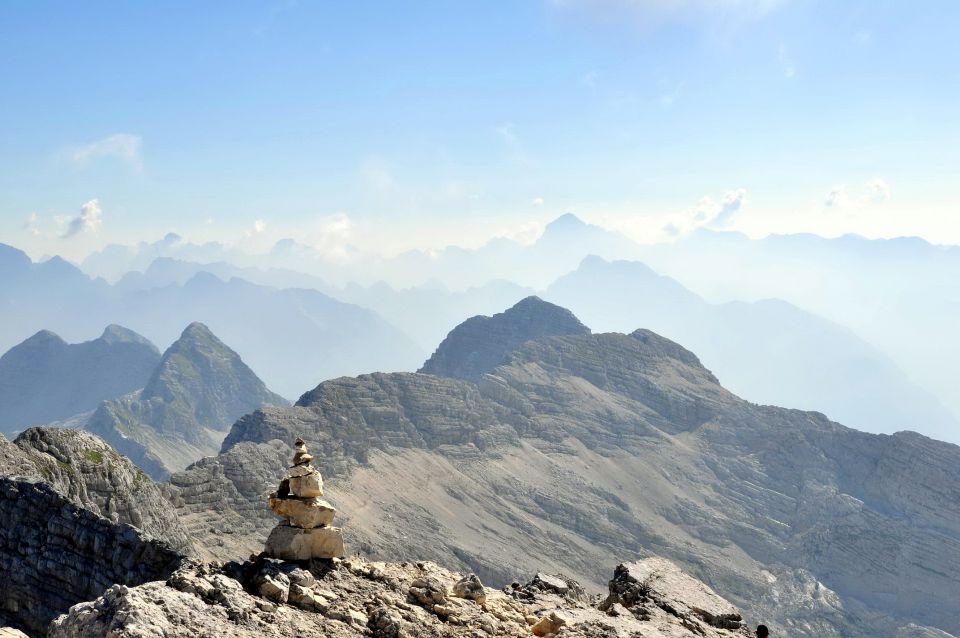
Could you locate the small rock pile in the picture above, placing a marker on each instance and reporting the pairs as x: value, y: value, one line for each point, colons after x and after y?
x: 306, y: 531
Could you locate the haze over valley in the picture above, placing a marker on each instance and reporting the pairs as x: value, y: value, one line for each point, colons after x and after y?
x: 530, y: 319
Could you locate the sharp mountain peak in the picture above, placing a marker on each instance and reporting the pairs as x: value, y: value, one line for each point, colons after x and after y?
x: 481, y: 343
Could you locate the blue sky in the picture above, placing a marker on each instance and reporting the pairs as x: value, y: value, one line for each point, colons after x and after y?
x: 421, y: 124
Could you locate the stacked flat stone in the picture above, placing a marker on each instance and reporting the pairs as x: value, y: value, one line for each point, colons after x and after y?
x: 306, y: 531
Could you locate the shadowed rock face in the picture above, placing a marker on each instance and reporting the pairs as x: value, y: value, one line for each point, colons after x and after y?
x: 199, y: 388
x: 75, y: 518
x: 479, y: 344
x: 92, y: 475
x: 45, y: 379
x: 584, y: 449
x: 55, y: 554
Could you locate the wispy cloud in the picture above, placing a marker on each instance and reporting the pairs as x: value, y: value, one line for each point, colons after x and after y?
x: 874, y: 191
x: 32, y: 225
x: 517, y: 151
x: 121, y: 146
x: 837, y: 197
x: 88, y: 221
x: 709, y: 213
x: 878, y: 190
x: 537, y: 201
x: 719, y: 214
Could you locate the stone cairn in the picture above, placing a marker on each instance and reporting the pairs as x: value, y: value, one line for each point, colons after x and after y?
x: 306, y: 532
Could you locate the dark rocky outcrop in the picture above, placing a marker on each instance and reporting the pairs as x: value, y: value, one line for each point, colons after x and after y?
x: 479, y: 344
x: 90, y: 473
x: 45, y: 379
x: 75, y: 518
x: 198, y: 389
x: 54, y: 554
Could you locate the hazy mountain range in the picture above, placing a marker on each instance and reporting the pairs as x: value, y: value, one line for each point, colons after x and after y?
x: 46, y: 379
x: 798, y: 321
x: 292, y: 337
x: 767, y: 351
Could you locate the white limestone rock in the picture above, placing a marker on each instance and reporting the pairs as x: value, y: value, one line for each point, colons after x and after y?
x: 295, y: 543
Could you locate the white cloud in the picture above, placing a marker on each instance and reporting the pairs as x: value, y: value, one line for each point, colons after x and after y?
x: 878, y: 190
x: 32, y: 224
x: 837, y: 197
x: 874, y: 191
x: 719, y: 214
x: 537, y: 201
x: 89, y: 220
x: 709, y: 213
x: 259, y: 226
x: 122, y: 146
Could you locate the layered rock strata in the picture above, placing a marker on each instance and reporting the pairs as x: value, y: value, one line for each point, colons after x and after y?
x: 54, y: 554
x: 821, y: 529
x: 306, y: 532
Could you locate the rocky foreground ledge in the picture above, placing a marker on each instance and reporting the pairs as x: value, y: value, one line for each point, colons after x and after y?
x: 355, y: 597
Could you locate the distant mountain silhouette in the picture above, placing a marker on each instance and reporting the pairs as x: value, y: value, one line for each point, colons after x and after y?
x: 888, y: 291
x: 293, y: 337
x: 46, y: 379
x: 767, y: 351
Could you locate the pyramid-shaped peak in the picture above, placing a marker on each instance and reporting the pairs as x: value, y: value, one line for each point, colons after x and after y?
x: 197, y: 330
x: 541, y: 317
x: 480, y: 344
x: 201, y: 372
x: 566, y: 222
x: 118, y: 334
x: 44, y: 338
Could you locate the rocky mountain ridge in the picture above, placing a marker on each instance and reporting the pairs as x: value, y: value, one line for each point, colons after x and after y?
x: 587, y: 448
x: 76, y: 518
x: 196, y: 391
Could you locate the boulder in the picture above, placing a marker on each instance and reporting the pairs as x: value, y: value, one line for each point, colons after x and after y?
x: 307, y: 486
x: 549, y: 624
x: 470, y: 588
x: 662, y: 583
x: 295, y: 543
x: 303, y: 512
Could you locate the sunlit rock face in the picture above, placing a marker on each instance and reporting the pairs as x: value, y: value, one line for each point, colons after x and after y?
x: 588, y: 449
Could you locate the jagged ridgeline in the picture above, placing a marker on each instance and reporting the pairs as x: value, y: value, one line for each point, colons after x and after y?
x: 525, y: 444
x: 534, y: 444
x: 45, y: 379
x: 198, y: 389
